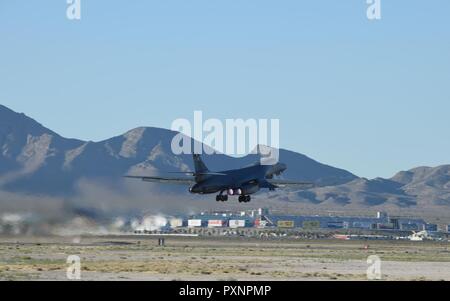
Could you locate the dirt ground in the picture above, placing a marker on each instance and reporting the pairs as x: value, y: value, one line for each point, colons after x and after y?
x: 196, y: 258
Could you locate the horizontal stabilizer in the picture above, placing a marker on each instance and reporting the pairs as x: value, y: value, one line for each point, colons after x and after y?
x: 168, y: 180
x: 282, y: 183
x: 191, y: 173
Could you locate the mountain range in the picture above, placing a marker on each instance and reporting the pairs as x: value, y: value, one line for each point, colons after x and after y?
x: 35, y: 160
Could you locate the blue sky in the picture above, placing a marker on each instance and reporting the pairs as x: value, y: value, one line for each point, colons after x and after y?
x: 370, y: 97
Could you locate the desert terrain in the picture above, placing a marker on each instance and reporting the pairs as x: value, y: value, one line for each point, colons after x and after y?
x: 233, y: 259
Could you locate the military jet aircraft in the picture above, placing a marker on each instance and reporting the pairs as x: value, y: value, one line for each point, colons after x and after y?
x: 239, y: 182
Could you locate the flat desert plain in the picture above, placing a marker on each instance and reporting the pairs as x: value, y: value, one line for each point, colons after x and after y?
x: 199, y: 258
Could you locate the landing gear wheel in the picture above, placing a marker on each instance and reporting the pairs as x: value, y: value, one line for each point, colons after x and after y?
x: 244, y: 198
x: 221, y: 198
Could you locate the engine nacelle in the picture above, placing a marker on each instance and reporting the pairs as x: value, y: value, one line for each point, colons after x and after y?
x: 234, y: 191
x: 250, y: 189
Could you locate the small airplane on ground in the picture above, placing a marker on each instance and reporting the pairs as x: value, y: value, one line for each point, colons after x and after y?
x: 240, y: 182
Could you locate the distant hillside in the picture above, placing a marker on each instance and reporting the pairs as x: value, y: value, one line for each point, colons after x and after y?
x: 36, y: 160
x: 421, y: 189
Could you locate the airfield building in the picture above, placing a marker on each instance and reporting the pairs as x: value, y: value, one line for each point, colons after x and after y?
x: 430, y: 227
x: 325, y: 222
x: 262, y: 218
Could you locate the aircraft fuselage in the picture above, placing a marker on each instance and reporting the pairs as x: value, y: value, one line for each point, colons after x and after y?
x: 245, y: 181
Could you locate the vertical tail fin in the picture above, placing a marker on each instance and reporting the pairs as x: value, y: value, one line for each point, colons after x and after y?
x: 199, y: 166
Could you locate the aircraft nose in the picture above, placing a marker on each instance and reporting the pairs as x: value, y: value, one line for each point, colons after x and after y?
x: 277, y: 169
x: 280, y: 167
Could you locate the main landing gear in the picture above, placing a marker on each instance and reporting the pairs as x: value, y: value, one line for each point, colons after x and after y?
x: 224, y: 198
x: 221, y: 198
x: 244, y: 198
